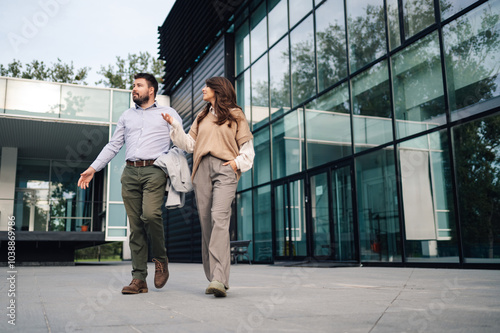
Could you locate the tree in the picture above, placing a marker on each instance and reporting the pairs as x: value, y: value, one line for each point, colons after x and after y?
x: 38, y: 70
x: 121, y: 75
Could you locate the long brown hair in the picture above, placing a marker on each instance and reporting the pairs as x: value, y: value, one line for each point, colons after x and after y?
x: 225, y: 100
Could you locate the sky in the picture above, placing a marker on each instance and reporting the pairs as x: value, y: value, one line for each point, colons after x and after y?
x: 89, y: 33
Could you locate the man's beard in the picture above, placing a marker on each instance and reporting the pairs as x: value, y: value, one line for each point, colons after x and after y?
x: 140, y: 100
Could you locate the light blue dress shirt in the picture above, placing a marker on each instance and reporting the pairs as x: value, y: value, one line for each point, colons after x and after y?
x: 145, y: 133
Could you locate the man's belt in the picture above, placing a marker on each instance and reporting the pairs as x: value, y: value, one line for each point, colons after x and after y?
x: 141, y: 163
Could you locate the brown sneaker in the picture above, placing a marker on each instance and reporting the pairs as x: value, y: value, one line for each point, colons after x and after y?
x: 135, y: 287
x: 161, y: 273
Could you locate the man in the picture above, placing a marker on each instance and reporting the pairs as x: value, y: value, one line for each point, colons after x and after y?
x: 146, y: 136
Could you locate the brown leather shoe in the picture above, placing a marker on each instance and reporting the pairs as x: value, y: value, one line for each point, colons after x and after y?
x: 161, y: 273
x: 135, y: 287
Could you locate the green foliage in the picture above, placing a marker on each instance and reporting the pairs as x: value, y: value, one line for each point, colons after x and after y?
x: 121, y: 75
x: 38, y: 70
x: 105, y: 252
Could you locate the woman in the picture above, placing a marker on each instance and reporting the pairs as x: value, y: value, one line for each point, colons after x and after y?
x: 221, y: 142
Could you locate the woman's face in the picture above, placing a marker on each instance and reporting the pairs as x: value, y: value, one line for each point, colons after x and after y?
x: 208, y: 95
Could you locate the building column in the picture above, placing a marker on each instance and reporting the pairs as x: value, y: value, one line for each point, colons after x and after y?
x: 8, y: 170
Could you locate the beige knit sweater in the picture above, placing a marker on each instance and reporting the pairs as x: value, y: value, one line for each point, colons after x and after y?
x: 220, y: 141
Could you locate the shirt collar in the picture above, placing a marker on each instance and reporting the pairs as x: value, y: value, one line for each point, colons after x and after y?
x: 154, y: 105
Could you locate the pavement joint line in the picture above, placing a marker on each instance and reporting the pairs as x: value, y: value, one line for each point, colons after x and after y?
x: 392, y: 302
x: 43, y: 305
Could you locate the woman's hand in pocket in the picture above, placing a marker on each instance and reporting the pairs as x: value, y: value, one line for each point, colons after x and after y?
x: 233, y: 165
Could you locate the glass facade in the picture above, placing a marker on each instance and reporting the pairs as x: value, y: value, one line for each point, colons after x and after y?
x: 375, y: 130
x: 46, y: 195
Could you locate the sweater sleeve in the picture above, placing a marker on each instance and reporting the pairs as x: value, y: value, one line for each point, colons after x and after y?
x: 180, y: 138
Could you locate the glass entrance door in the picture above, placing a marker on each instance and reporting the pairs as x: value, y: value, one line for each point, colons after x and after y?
x: 332, y: 215
x: 290, y: 221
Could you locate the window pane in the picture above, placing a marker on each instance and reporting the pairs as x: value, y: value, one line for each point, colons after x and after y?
x: 245, y: 222
x: 278, y: 19
x: 288, y: 145
x: 372, y: 108
x: 365, y: 23
x: 418, y: 87
x: 121, y: 102
x: 262, y: 160
x: 242, y: 46
x: 303, y: 69
x: 299, y: 9
x: 328, y: 127
x: 243, y: 95
x: 44, y: 98
x: 85, y: 103
x: 472, y: 46
x: 477, y: 172
x: 451, y: 7
x: 320, y: 216
x: 418, y: 15
x: 245, y: 180
x: 380, y: 238
x: 280, y: 78
x: 259, y: 31
x: 119, y: 215
x: 262, y: 224
x: 428, y: 202
x: 393, y: 21
x: 260, y: 93
x: 331, y: 43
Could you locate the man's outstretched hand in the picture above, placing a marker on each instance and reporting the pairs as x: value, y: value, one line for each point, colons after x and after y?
x: 86, y: 177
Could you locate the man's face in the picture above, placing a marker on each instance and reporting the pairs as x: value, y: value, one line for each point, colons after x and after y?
x: 140, y: 92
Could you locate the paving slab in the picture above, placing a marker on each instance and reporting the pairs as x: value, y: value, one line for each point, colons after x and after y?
x: 262, y: 298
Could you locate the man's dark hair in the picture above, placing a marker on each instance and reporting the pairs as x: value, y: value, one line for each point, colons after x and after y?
x: 149, y: 78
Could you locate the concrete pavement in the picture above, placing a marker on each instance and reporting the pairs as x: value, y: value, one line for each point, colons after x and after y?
x: 262, y: 298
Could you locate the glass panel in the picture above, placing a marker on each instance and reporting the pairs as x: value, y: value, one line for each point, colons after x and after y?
x: 288, y: 145
x: 32, y: 179
x: 365, y: 24
x: 243, y: 95
x: 280, y: 78
x: 121, y: 102
x: 259, y: 32
x: 117, y: 232
x: 85, y: 103
x: 281, y: 218
x: 117, y: 211
x: 24, y: 207
x: 299, y: 9
x: 428, y: 202
x: 331, y: 43
x: 297, y: 225
x: 245, y: 180
x: 451, y: 7
x: 303, y: 69
x: 418, y: 87
x: 245, y: 222
x: 476, y: 147
x: 320, y: 216
x: 372, y: 108
x: 472, y: 45
x: 418, y: 15
x: 3, y: 84
x: 278, y: 19
x: 242, y: 46
x: 393, y: 21
x: 344, y: 246
x: 43, y: 101
x: 116, y: 166
x: 260, y: 93
x: 328, y: 127
x: 380, y: 237
x: 262, y: 160
x: 67, y: 200
x: 262, y: 224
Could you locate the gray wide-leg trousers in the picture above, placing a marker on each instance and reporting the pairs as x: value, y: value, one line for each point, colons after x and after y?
x: 215, y: 189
